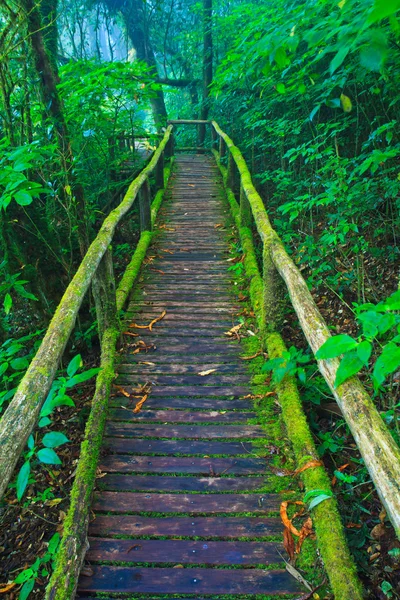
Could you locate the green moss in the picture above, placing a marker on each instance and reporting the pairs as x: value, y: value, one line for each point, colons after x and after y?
x: 327, y: 523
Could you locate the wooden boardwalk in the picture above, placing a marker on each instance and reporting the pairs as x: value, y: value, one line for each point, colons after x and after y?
x: 179, y: 509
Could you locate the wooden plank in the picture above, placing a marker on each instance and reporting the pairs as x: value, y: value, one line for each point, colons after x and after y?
x: 189, y: 345
x: 174, y: 447
x: 131, y: 502
x: 203, y: 527
x: 191, y: 402
x: 187, y: 552
x: 156, y: 368
x: 187, y: 359
x: 200, y: 390
x: 126, y: 463
x: 180, y: 416
x: 186, y: 581
x: 164, y: 483
x: 190, y: 380
x: 188, y: 432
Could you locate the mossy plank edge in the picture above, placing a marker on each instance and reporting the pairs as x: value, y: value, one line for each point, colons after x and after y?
x: 73, y: 545
x: 21, y: 415
x: 328, y: 526
x: 374, y: 441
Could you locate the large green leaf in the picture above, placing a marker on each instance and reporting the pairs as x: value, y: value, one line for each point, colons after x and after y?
x: 54, y: 439
x: 22, y: 479
x: 387, y: 363
x: 335, y: 346
x: 48, y: 456
x: 350, y: 365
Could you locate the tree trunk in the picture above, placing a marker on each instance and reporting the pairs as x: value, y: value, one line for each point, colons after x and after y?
x: 207, y: 66
x: 48, y: 77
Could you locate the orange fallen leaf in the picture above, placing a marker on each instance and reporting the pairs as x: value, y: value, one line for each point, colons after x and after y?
x: 4, y: 588
x: 310, y: 465
x: 130, y: 333
x: 167, y: 251
x: 150, y: 325
x: 234, y: 331
x: 218, y: 225
x: 140, y: 404
x: 122, y: 391
x: 251, y: 357
x: 288, y: 543
x: 305, y: 531
x: 285, y: 519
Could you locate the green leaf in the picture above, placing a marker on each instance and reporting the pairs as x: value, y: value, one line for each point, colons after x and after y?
x: 374, y: 53
x: 3, y: 368
x: 53, y: 543
x: 81, y: 377
x: 54, y: 439
x: 349, y: 366
x: 393, y: 302
x: 364, y: 350
x: 26, y: 589
x: 22, y: 479
x: 19, y: 364
x: 75, y: 364
x: 280, y: 88
x: 387, y: 363
x: 7, y: 303
x: 24, y: 576
x: 23, y: 198
x: 44, y: 422
x: 335, y: 346
x: 48, y: 456
x: 383, y: 9
x: 314, y: 493
x: 318, y: 499
x: 339, y: 58
x: 31, y: 442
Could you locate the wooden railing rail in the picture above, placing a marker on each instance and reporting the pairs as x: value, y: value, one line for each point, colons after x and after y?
x: 22, y: 413
x: 375, y: 443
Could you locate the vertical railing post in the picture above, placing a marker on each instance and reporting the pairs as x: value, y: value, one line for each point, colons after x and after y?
x: 222, y: 147
x: 103, y: 288
x: 160, y: 173
x: 231, y: 172
x: 145, y: 207
x: 245, y: 209
x: 214, y: 137
x: 272, y: 292
x: 169, y: 148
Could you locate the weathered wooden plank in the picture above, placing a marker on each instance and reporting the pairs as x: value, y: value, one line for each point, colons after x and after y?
x: 204, y: 527
x: 183, y: 380
x: 180, y: 416
x: 125, y: 463
x: 191, y: 402
x: 174, y: 447
x: 132, y: 502
x: 187, y: 552
x: 186, y: 581
x: 201, y: 390
x: 164, y: 483
x: 158, y: 368
x: 206, y: 432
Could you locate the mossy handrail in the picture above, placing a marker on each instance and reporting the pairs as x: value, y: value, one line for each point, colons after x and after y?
x: 21, y: 415
x: 377, y: 447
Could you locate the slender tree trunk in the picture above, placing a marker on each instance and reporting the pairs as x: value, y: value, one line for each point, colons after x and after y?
x: 207, y: 66
x: 48, y: 77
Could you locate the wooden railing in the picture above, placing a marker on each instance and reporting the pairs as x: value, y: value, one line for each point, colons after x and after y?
x: 21, y: 415
x: 375, y: 443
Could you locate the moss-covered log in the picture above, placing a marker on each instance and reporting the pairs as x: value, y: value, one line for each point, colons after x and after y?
x: 329, y: 529
x: 377, y: 447
x: 22, y: 413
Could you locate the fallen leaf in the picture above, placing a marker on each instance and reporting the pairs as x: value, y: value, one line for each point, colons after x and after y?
x: 130, y: 333
x: 87, y: 571
x: 310, y: 465
x: 150, y: 364
x: 288, y: 543
x: 53, y: 502
x: 234, y: 332
x: 150, y: 325
x: 6, y: 587
x: 285, y: 519
x: 295, y: 573
x: 140, y: 404
x: 122, y: 391
x: 203, y: 373
x: 218, y: 225
x: 251, y: 357
x: 342, y: 468
x: 305, y: 531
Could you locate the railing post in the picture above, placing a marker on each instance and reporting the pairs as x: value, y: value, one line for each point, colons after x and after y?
x: 222, y: 147
x: 272, y: 294
x: 145, y: 207
x: 103, y: 288
x: 245, y: 209
x: 214, y: 137
x: 160, y: 173
x: 169, y: 148
x: 231, y: 172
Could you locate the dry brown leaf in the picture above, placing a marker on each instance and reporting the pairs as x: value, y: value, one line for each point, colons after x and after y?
x: 140, y: 404
x: 145, y: 362
x: 251, y: 357
x: 234, y: 331
x: 167, y: 251
x: 6, y: 587
x: 305, y: 531
x: 204, y: 373
x: 157, y: 271
x: 288, y: 543
x: 122, y: 391
x: 310, y: 465
x: 218, y: 225
x: 285, y: 519
x: 150, y: 325
x: 130, y: 333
